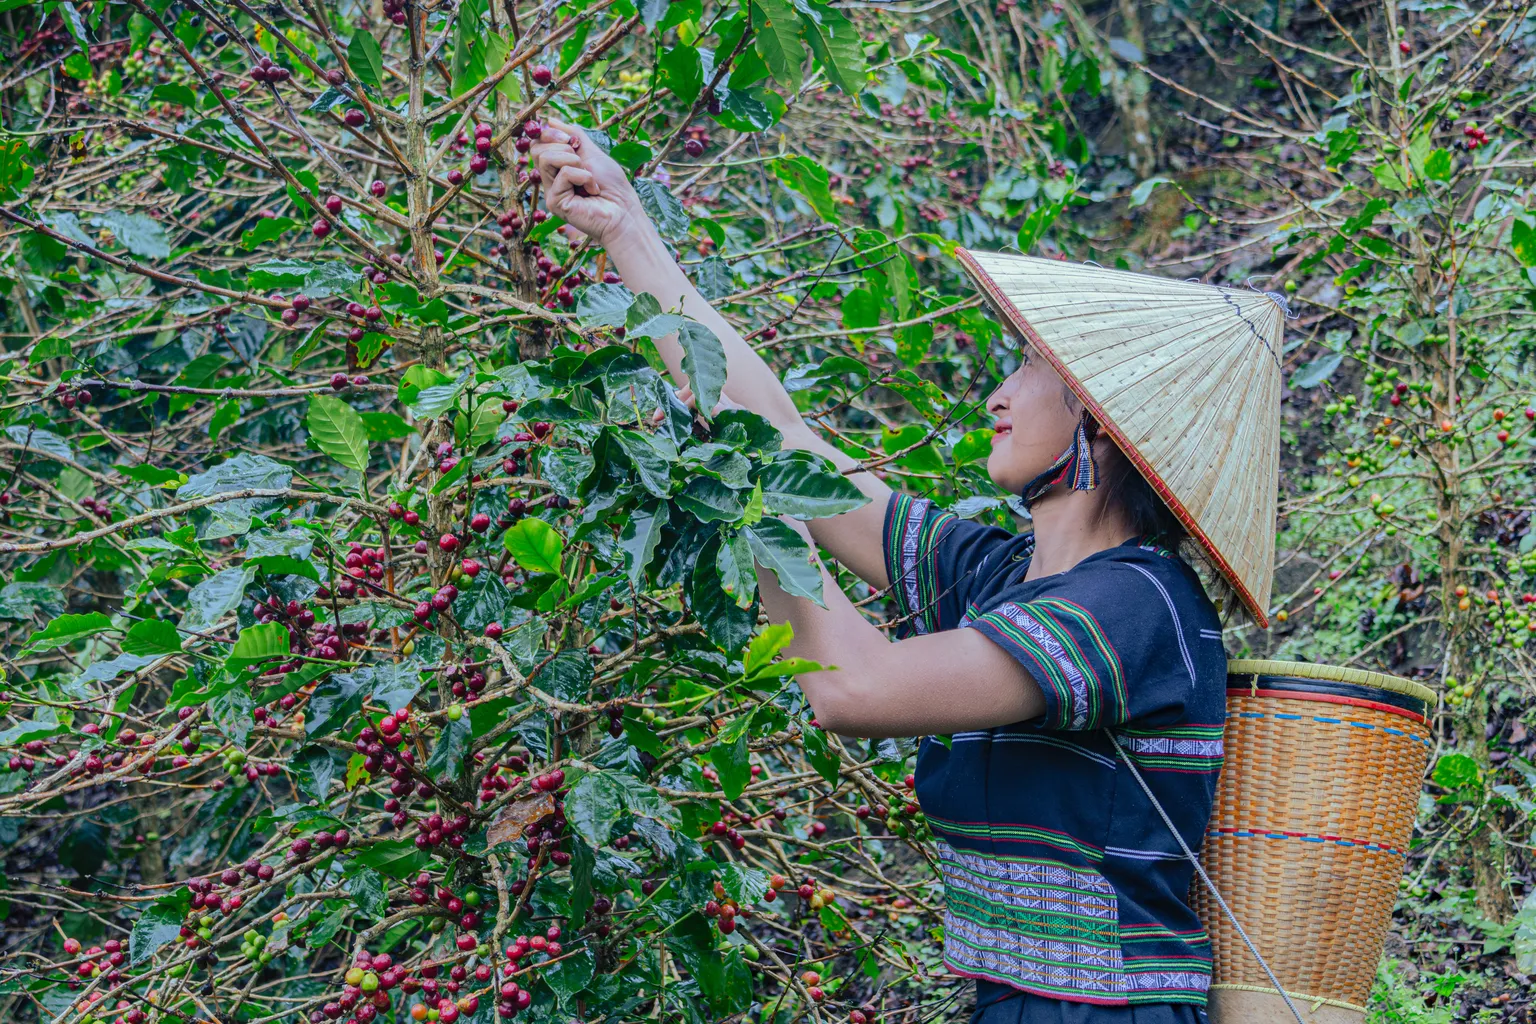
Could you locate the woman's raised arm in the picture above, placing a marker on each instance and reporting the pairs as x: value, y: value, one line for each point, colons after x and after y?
x: 591, y: 192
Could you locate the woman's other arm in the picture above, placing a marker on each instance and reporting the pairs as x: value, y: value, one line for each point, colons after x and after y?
x: 940, y: 683
x: 610, y: 213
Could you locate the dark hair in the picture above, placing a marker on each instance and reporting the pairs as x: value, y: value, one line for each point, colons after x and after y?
x: 1144, y: 509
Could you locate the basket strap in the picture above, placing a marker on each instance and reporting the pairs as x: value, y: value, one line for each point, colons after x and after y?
x: 1200, y: 870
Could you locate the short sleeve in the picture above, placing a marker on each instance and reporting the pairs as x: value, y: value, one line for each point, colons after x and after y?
x: 934, y: 560
x: 1105, y: 641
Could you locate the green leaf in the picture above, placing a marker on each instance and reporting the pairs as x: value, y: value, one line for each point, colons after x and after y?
x: 314, y: 768
x: 810, y: 180
x: 778, y: 41
x: 599, y: 798
x: 368, y: 892
x: 860, y: 309
x: 385, y: 426
x: 570, y: 974
x: 704, y: 363
x: 214, y: 598
x: 807, y: 486
x: 397, y: 858
x: 766, y: 646
x: 484, y: 601
x: 642, y: 531
x: 66, y: 629
x: 733, y: 765
x: 468, y: 68
x: 535, y: 545
x: 175, y: 92
x: 1143, y: 190
x: 395, y: 685
x: 973, y: 447
x: 258, y: 643
x: 367, y: 61
x: 568, y: 676
x: 836, y: 43
x: 725, y: 622
x: 780, y: 549
x: 1437, y: 166
x: 338, y: 430
x: 1456, y: 771
x: 710, y: 500
x: 822, y: 756
x: 265, y: 230
x: 316, y: 280
x: 335, y: 700
x: 646, y: 320
x: 137, y: 233
x: 1311, y: 374
x: 1387, y: 177
x: 152, y: 636
x: 604, y: 305
x: 652, y: 456
x: 737, y: 572
x: 160, y: 923
x: 1522, y: 241
x: 669, y: 216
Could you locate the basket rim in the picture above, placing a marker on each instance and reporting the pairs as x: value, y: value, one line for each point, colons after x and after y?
x: 1332, y: 673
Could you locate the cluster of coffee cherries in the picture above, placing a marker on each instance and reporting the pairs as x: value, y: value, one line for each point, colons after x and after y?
x: 462, y: 908
x: 1474, y: 137
x: 502, y: 777
x: 445, y: 595
x: 394, y: 10
x: 305, y: 636
x: 97, y: 507
x: 266, y: 71
x: 434, y: 830
x: 318, y: 844
x: 724, y: 911
x: 365, y: 989
x: 512, y: 997
x: 98, y: 960
x: 69, y: 397
x: 237, y: 762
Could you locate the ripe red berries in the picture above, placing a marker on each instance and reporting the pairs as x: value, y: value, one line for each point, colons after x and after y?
x: 378, y: 188
x: 448, y: 542
x: 455, y: 177
x: 354, y: 118
x: 340, y: 381
x: 480, y: 522
x: 321, y: 227
x: 542, y: 75
x: 493, y: 631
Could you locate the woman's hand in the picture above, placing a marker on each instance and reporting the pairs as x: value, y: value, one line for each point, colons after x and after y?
x: 587, y: 188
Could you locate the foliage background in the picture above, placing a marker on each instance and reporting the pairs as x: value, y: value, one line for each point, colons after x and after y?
x: 814, y: 166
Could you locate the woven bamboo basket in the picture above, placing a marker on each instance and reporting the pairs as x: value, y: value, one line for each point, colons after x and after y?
x: 1308, y: 838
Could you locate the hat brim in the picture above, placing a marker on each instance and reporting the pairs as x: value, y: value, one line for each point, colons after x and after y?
x: 1021, y: 324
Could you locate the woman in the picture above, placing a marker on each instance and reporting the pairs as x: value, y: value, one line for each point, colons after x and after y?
x: 1065, y: 893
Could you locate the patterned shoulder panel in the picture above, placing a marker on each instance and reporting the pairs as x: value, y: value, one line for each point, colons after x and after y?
x: 913, y: 529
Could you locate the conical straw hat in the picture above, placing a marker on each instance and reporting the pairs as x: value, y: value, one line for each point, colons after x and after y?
x: 1186, y: 379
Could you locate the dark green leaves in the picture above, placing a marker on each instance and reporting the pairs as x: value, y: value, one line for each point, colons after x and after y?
x: 316, y: 280
x: 810, y: 179
x: 367, y: 61
x: 447, y: 760
x: 597, y: 801
x: 662, y: 207
x: 367, y: 890
x: 806, y: 486
x: 338, y: 430
x: 482, y: 602
x: 778, y: 41
x: 137, y: 232
x: 159, y: 924
x: 778, y: 548
x: 704, y: 363
x: 335, y: 700
x: 66, y: 629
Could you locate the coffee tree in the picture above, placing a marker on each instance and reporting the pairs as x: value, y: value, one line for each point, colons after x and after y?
x: 381, y: 629
x: 1403, y: 226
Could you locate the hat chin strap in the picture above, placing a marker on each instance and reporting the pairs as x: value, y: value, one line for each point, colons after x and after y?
x: 1076, y: 465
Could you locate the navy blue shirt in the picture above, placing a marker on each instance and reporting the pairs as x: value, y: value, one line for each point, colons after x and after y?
x: 1060, y: 878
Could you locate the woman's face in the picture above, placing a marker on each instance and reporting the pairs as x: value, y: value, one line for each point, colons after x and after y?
x: 1036, y: 417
